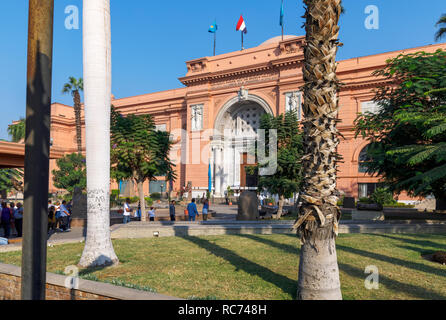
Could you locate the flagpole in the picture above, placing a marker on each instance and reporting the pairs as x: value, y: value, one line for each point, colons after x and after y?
x: 215, y: 41
x: 283, y: 22
x: 242, y: 41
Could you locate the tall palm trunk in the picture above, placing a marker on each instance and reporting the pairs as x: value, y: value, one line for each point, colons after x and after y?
x: 319, y: 214
x: 280, y: 209
x: 98, y: 249
x: 77, y: 116
x: 142, y: 201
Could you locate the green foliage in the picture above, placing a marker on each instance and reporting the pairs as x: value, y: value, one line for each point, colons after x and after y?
x: 288, y: 178
x: 365, y: 200
x: 155, y: 196
x: 408, y: 134
x: 71, y: 173
x: 138, y: 151
x: 383, y: 197
x: 11, y: 179
x: 149, y: 201
x: 17, y: 131
x: 73, y: 85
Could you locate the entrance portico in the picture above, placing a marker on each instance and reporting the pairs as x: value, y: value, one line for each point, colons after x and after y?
x: 235, y: 135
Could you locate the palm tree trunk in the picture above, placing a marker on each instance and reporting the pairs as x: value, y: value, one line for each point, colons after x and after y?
x: 318, y: 216
x: 77, y: 116
x: 280, y: 209
x: 142, y: 201
x: 98, y: 249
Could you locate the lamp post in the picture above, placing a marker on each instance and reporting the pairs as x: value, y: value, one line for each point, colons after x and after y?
x: 37, y: 146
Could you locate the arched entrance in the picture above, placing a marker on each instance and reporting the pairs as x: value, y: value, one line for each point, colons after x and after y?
x: 236, y: 130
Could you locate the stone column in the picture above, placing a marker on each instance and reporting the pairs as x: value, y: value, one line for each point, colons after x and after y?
x: 218, y: 170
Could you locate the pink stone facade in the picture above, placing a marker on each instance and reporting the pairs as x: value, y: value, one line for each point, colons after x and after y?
x: 221, y: 91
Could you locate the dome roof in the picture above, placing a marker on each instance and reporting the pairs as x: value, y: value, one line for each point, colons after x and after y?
x: 277, y: 39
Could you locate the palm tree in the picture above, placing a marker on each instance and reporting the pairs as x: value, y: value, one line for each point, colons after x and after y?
x: 319, y: 214
x: 17, y: 130
x: 442, y: 31
x: 73, y: 87
x: 98, y: 249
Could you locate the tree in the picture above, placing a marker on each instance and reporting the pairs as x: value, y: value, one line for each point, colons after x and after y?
x: 139, y: 152
x: 11, y: 179
x: 287, y: 179
x: 319, y: 214
x: 408, y: 134
x: 17, y: 130
x: 442, y: 28
x: 73, y: 87
x: 71, y: 173
x: 98, y: 250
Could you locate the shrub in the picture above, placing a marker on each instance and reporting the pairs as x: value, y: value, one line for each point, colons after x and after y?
x: 149, y: 201
x: 365, y: 200
x: 155, y: 196
x: 383, y: 197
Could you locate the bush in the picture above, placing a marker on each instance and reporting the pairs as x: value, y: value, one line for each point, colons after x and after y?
x: 155, y: 196
x: 340, y: 202
x: 149, y: 201
x: 365, y: 200
x: 383, y: 197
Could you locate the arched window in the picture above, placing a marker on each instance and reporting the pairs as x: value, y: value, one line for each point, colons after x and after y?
x: 363, y: 160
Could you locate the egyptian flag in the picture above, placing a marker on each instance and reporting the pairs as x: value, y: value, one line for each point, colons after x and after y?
x: 241, y: 26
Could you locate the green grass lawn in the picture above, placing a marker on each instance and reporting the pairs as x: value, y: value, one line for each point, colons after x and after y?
x: 262, y: 266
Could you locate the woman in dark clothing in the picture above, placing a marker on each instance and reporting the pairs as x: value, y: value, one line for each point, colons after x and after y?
x: 18, y: 219
x: 172, y: 210
x: 6, y: 219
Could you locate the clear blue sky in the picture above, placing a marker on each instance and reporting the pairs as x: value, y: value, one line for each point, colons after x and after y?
x: 151, y: 40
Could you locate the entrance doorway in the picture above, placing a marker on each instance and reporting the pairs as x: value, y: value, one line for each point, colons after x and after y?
x: 248, y: 179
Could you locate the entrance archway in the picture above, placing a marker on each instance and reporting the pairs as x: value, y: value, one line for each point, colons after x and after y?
x: 236, y: 130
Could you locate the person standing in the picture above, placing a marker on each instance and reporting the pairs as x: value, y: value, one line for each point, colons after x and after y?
x: 205, y: 209
x: 152, y: 214
x: 58, y: 218
x: 6, y: 219
x: 12, y: 209
x: 192, y: 210
x: 172, y: 210
x: 51, y: 219
x: 18, y: 219
x: 64, y: 214
x: 127, y: 211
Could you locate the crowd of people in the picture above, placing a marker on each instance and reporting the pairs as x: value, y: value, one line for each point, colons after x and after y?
x: 59, y: 216
x: 11, y: 218
x: 191, y: 211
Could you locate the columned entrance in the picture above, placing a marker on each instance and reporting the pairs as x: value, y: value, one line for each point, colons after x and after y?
x: 233, y: 143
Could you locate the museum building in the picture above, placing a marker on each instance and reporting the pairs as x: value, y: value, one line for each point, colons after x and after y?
x: 215, y: 117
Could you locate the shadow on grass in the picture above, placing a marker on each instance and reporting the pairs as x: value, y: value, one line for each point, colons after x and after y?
x: 395, y: 261
x: 286, y: 284
x: 285, y: 247
x: 413, y: 290
x: 423, y: 243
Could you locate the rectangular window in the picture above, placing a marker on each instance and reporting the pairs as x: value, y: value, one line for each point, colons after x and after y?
x: 370, y: 106
x: 161, y: 127
x: 365, y: 190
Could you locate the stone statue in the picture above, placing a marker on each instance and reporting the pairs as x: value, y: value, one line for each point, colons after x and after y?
x: 243, y: 94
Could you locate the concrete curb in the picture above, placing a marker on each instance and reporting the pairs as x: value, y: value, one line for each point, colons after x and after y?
x: 93, y: 287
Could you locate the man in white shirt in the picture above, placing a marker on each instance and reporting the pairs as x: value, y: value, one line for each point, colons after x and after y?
x: 152, y: 214
x: 127, y: 211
